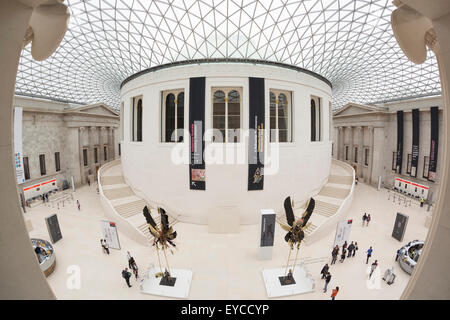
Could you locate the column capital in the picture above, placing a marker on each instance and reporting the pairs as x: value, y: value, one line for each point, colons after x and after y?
x: 81, y: 128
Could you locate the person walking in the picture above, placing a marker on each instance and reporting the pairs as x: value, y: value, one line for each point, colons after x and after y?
x: 369, y: 254
x: 399, y: 252
x: 126, y: 275
x: 368, y: 220
x: 344, y: 246
x: 78, y: 205
x: 364, y: 218
x: 324, y: 270
x: 134, y: 267
x: 351, y: 247
x: 373, y: 267
x: 344, y: 252
x: 334, y: 293
x: 356, y: 248
x: 334, y: 254
x: 422, y: 201
x: 105, y: 244
x: 327, y: 281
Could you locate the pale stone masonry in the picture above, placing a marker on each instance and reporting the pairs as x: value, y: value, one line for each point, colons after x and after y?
x: 374, y: 127
x: 49, y: 127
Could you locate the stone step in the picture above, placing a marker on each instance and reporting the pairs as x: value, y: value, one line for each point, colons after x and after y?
x: 130, y: 209
x: 118, y: 193
x: 108, y: 180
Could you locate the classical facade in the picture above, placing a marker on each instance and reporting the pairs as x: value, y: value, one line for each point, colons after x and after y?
x: 366, y: 137
x: 61, y: 141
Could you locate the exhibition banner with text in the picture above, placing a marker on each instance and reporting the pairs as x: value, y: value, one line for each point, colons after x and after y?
x: 256, y: 136
x: 197, y: 130
x: 415, y: 142
x: 434, y: 113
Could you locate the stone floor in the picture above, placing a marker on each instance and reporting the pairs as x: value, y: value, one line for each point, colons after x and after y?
x: 225, y: 266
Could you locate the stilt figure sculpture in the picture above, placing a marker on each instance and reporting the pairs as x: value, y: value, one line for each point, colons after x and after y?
x: 295, y: 233
x: 162, y: 238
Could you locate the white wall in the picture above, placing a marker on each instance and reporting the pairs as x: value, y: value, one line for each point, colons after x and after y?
x: 148, y: 168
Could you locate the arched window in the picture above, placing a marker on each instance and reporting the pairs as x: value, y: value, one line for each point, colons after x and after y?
x: 180, y: 116
x: 313, y: 120
x: 139, y: 121
x: 234, y: 116
x: 136, y: 121
x: 172, y: 116
x: 316, y: 118
x: 280, y: 116
x: 226, y: 115
x: 219, y: 116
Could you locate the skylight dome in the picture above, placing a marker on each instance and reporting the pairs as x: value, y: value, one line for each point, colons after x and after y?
x: 349, y: 42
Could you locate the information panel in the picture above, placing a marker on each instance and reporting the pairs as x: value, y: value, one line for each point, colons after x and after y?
x: 400, y: 226
x: 53, y: 228
x: 343, y: 232
x: 109, y: 232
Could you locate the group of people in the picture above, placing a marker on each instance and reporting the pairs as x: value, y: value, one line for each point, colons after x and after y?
x: 133, y: 266
x: 347, y: 251
x: 366, y: 219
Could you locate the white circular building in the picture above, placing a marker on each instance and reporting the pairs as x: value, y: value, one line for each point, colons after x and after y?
x: 225, y: 136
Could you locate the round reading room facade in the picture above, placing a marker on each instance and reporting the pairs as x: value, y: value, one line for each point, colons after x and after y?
x: 201, y: 138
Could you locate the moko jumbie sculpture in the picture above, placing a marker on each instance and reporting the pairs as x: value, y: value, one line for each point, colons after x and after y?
x: 295, y: 229
x: 163, y: 237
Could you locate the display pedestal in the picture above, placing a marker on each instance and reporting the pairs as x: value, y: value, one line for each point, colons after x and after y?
x: 302, y: 282
x: 178, y: 287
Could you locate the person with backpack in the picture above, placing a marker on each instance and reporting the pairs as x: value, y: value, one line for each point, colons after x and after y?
x: 324, y: 270
x: 351, y: 247
x: 334, y: 293
x: 134, y: 267
x: 344, y: 252
x: 126, y: 275
x: 369, y: 254
x: 327, y: 281
x: 364, y: 218
x: 334, y: 254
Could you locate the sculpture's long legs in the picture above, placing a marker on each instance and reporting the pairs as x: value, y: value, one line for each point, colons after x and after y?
x: 165, y: 255
x: 159, y: 259
x: 289, y: 257
x: 296, y: 255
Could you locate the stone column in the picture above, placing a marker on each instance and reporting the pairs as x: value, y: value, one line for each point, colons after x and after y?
x: 92, y: 164
x: 340, y: 144
x: 111, y: 155
x: 350, y: 145
x: 81, y: 131
x: 369, y: 178
x: 360, y: 151
x: 101, y: 143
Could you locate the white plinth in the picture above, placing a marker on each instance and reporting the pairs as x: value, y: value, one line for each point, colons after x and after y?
x: 150, y: 284
x: 303, y: 282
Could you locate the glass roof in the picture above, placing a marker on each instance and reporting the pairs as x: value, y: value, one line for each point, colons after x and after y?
x: 349, y: 42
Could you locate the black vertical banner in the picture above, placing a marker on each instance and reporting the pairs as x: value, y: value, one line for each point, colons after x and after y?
x: 434, y: 115
x: 415, y: 142
x: 256, y: 134
x: 197, y: 130
x: 399, y: 141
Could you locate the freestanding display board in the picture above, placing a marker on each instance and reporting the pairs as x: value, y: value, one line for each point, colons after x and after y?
x: 343, y: 232
x: 53, y: 228
x: 109, y: 232
x: 267, y: 234
x: 400, y: 226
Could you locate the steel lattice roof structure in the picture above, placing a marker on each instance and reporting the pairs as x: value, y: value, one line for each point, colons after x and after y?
x: 349, y: 42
